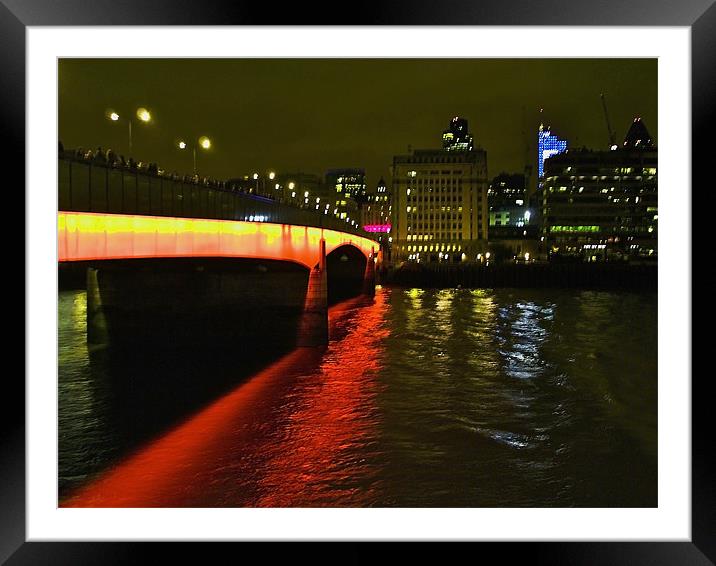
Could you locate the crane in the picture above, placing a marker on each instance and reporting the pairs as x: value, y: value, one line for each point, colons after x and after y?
x: 612, y: 137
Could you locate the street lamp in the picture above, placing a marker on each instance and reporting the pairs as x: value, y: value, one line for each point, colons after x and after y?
x: 142, y: 114
x: 203, y: 142
x: 271, y: 175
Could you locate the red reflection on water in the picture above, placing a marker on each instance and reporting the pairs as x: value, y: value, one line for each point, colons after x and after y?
x: 291, y: 435
x: 330, y: 441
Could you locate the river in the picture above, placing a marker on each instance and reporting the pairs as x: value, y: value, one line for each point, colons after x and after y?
x: 423, y: 398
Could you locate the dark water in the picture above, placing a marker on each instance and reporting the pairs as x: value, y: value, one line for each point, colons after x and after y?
x: 443, y: 398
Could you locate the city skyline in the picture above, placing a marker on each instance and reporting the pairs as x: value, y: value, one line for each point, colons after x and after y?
x: 339, y: 113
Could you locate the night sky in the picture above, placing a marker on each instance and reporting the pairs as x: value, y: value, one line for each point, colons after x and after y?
x: 310, y: 115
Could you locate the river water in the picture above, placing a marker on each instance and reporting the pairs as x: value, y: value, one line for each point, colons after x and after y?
x: 423, y: 398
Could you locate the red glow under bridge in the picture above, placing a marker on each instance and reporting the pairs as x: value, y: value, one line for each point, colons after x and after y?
x: 89, y: 236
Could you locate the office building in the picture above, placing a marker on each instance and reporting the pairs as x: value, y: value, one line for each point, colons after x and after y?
x: 510, y: 212
x: 601, y: 205
x: 375, y: 213
x: 439, y: 203
x: 346, y: 188
x: 457, y: 137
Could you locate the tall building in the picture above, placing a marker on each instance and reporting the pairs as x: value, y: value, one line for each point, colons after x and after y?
x: 511, y: 215
x: 439, y: 208
x: 457, y: 137
x: 548, y: 145
x: 376, y: 207
x: 507, y: 190
x: 638, y: 135
x: 603, y: 204
x: 347, y: 188
x: 375, y: 213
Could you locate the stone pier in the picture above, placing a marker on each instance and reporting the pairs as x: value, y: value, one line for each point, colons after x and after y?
x: 313, y: 330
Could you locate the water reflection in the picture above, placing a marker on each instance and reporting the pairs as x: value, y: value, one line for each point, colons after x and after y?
x: 329, y: 443
x: 298, y: 433
x: 423, y: 398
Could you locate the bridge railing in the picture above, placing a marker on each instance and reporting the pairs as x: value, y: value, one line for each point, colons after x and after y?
x: 86, y: 186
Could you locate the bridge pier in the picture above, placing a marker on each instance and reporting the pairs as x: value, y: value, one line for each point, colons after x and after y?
x: 313, y: 329
x: 96, y: 321
x: 369, y: 276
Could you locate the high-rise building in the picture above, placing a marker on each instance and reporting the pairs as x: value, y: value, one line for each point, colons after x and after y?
x: 603, y: 204
x: 548, y: 145
x: 439, y: 203
x: 507, y: 190
x: 376, y: 207
x: 457, y: 137
x: 347, y: 188
x: 511, y: 214
x: 638, y: 135
x: 375, y: 213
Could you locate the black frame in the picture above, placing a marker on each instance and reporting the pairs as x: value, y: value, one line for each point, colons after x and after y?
x: 699, y: 15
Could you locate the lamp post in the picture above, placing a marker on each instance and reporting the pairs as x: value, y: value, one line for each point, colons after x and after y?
x: 261, y: 181
x: 203, y: 142
x: 143, y: 115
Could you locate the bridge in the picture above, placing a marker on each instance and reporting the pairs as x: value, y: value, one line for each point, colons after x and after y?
x: 201, y: 255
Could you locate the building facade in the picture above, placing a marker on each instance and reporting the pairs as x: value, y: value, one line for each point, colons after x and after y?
x: 506, y: 191
x: 376, y: 207
x: 439, y: 208
x: 457, y: 137
x: 347, y: 189
x: 602, y: 205
x: 375, y: 213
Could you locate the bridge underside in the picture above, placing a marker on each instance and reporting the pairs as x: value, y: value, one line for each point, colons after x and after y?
x: 243, y: 304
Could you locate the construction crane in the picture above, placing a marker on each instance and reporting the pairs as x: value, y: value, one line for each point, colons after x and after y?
x: 612, y: 136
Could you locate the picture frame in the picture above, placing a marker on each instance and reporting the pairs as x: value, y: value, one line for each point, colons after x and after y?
x: 17, y: 15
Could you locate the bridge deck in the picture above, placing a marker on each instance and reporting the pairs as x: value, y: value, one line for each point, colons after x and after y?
x: 91, y: 236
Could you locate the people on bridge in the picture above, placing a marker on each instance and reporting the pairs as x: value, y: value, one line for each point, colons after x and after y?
x: 99, y: 155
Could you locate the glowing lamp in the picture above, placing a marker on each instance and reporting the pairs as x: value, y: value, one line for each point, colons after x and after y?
x: 144, y: 115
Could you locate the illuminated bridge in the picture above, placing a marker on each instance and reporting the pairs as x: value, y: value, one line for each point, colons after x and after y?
x: 176, y: 257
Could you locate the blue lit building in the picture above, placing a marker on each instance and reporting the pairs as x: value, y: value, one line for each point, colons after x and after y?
x: 547, y: 145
